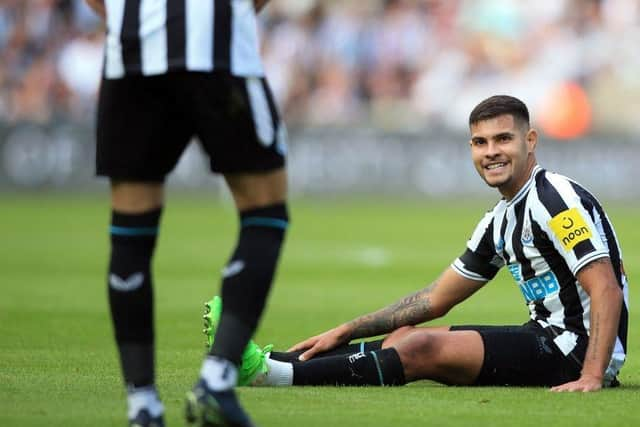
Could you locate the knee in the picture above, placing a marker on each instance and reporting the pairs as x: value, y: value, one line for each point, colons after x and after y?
x: 418, y: 344
x: 396, y: 336
x: 418, y: 349
x: 255, y: 190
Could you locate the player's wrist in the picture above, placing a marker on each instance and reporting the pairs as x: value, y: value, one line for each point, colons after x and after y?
x: 592, y: 376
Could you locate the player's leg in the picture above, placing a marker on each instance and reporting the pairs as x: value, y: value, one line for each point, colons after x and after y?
x: 400, y: 358
x: 140, y: 136
x: 411, y: 354
x: 260, y: 199
x: 245, y: 142
x: 464, y: 355
x: 136, y: 210
x: 449, y: 357
x: 261, y: 203
x: 246, y: 279
x: 356, y: 347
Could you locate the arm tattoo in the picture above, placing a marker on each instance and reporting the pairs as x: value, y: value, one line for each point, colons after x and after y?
x: 411, y: 310
x: 594, y: 335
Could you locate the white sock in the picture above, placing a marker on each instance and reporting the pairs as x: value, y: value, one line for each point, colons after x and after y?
x: 280, y: 374
x: 144, y: 398
x: 218, y: 373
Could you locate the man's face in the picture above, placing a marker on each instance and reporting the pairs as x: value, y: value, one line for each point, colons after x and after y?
x: 503, y: 153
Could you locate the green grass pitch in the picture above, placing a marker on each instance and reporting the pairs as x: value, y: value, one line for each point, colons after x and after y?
x: 342, y: 258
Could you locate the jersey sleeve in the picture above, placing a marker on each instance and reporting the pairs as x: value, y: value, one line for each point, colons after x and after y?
x: 569, y: 222
x: 479, y: 261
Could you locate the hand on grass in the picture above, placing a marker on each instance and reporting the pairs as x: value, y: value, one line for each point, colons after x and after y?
x: 585, y: 383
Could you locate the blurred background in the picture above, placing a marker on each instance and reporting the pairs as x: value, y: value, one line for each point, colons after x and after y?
x: 375, y: 93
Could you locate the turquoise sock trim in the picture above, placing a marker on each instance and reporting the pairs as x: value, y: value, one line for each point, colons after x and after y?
x: 265, y: 222
x: 375, y: 359
x: 133, y: 231
x: 362, y: 347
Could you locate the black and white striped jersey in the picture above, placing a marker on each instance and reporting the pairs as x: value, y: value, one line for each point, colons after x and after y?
x: 550, y: 230
x: 151, y: 37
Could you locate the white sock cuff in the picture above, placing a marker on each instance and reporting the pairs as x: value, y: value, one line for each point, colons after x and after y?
x: 144, y: 398
x: 280, y: 373
x: 219, y: 374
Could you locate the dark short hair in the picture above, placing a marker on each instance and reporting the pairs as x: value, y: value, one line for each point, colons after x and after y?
x: 498, y: 105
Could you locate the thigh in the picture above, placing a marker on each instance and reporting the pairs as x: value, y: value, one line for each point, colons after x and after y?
x: 141, y: 129
x: 238, y: 124
x: 136, y: 197
x: 399, y: 334
x: 521, y: 356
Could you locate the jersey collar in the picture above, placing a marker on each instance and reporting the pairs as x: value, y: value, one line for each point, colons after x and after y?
x: 526, y: 187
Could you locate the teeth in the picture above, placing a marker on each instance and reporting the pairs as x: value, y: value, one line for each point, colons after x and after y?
x: 495, y: 165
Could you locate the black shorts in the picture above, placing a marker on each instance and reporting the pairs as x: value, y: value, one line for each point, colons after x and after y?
x: 525, y: 356
x: 145, y: 123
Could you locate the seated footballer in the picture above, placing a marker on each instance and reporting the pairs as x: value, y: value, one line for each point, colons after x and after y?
x: 561, y: 249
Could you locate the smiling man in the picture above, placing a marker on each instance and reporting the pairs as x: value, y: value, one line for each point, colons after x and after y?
x: 561, y: 249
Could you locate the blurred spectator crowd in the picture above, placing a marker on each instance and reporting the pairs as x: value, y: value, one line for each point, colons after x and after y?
x: 389, y: 64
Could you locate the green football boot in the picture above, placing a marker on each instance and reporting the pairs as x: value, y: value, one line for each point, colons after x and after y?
x: 254, y: 359
x: 212, y: 313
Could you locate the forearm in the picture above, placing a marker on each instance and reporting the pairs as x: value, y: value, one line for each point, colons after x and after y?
x: 410, y: 310
x: 605, y: 316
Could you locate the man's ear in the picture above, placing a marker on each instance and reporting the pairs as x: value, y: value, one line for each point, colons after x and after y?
x: 532, y: 140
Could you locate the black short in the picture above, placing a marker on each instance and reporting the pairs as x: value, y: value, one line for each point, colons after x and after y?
x: 145, y: 123
x: 525, y: 356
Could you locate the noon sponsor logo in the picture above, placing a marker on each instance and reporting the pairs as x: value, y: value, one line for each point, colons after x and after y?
x: 570, y: 228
